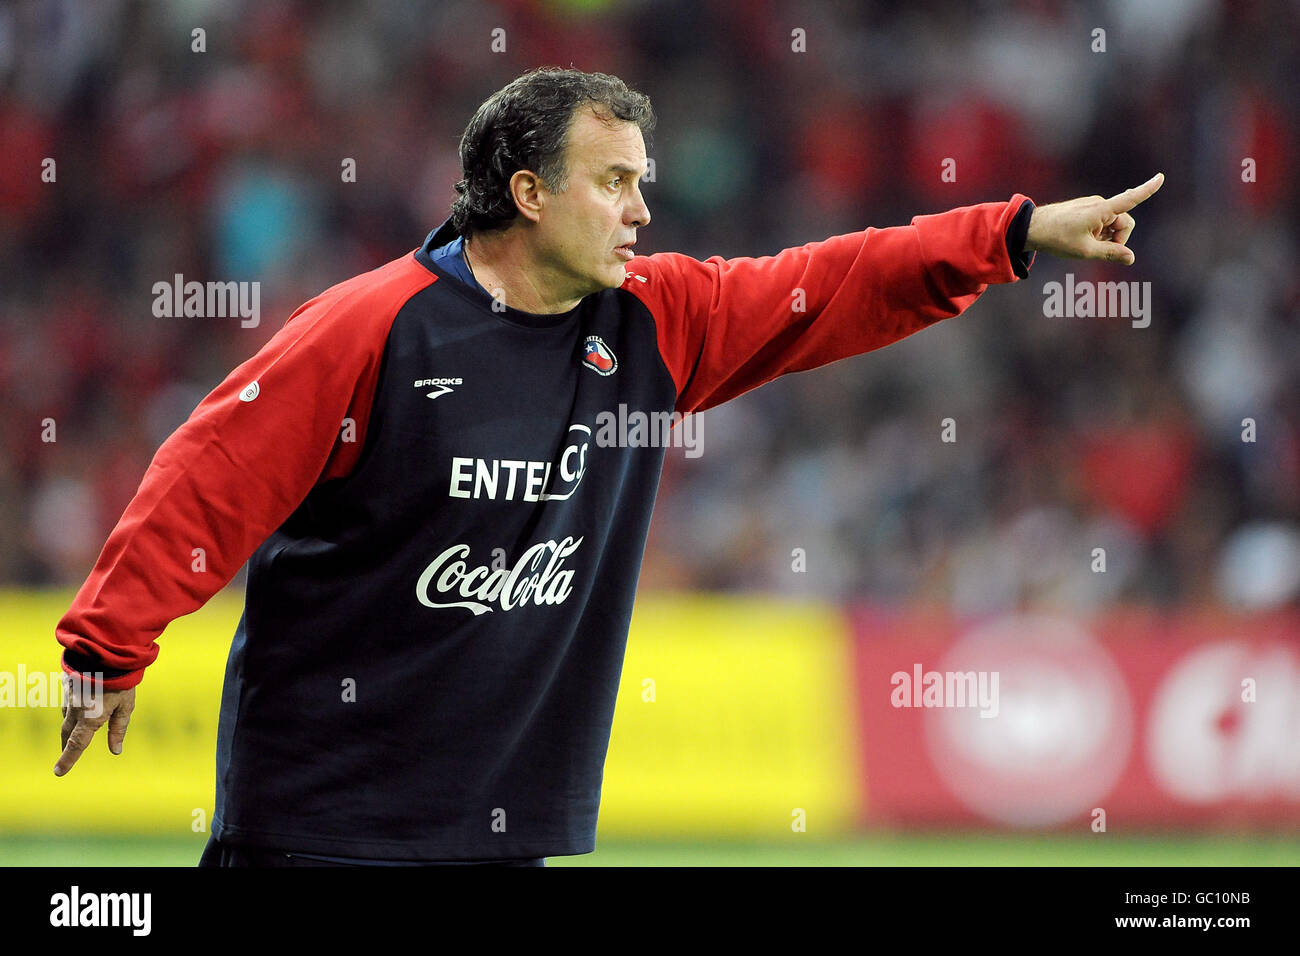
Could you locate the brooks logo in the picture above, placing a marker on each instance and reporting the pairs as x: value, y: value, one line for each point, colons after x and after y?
x: 441, y: 386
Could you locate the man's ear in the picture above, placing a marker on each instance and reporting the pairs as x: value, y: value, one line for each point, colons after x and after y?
x: 528, y: 193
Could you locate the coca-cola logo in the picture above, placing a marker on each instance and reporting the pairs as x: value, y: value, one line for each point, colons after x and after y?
x: 529, y: 580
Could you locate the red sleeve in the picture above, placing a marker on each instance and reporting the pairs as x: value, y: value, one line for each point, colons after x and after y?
x: 235, y: 471
x: 728, y: 325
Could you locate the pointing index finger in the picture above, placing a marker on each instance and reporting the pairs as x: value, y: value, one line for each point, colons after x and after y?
x: 73, y: 747
x: 1123, y: 202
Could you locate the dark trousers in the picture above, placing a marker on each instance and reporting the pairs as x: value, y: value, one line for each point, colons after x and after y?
x: 217, y: 853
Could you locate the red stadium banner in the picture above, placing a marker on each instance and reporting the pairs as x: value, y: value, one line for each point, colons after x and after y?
x: 1029, y: 720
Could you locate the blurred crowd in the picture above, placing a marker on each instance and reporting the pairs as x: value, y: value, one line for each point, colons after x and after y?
x: 1094, y: 462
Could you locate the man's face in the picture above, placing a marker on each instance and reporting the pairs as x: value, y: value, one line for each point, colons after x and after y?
x: 581, y: 228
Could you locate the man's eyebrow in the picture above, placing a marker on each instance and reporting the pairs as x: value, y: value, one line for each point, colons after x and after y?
x: 625, y: 170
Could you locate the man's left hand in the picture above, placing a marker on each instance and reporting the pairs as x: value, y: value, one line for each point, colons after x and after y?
x: 1091, y: 227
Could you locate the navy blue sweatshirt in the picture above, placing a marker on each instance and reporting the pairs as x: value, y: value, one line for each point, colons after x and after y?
x: 442, y: 551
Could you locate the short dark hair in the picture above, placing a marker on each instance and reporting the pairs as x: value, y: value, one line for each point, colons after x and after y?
x: 525, y: 125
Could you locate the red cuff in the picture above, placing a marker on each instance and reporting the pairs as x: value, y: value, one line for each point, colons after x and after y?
x: 119, y: 681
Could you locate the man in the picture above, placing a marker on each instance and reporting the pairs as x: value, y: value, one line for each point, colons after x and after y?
x: 438, y: 600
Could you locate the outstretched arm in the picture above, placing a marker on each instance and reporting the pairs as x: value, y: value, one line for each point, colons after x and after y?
x: 726, y: 326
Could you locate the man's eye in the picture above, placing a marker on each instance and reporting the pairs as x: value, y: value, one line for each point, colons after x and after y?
x: 617, y: 179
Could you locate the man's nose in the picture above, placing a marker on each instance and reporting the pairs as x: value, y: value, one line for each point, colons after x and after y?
x: 638, y: 212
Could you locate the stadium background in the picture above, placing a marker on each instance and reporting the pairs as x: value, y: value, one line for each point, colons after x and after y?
x: 752, y: 691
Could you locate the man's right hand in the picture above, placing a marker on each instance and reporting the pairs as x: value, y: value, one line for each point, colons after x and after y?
x: 82, y: 717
